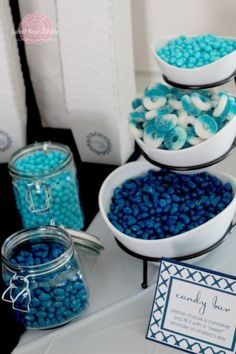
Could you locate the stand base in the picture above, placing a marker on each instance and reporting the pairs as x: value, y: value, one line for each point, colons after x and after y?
x: 146, y: 259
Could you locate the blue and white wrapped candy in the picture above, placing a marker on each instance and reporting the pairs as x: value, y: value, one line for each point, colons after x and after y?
x: 205, y: 126
x: 151, y: 136
x: 199, y: 115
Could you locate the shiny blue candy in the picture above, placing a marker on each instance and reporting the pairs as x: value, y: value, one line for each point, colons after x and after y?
x: 162, y: 204
x: 190, y: 53
x: 56, y: 297
x: 51, y: 198
x: 165, y: 123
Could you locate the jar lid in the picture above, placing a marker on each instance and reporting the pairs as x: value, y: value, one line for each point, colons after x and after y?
x: 83, y: 240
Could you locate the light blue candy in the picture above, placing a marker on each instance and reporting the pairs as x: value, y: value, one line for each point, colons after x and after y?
x: 196, y: 51
x: 175, y: 103
x: 154, y: 94
x: 152, y: 136
x: 201, y: 102
x: 64, y: 204
x: 152, y: 131
x: 138, y: 116
x: 232, y: 111
x: 164, y: 125
x: 149, y: 123
x: 205, y: 126
x: 151, y: 127
x: 224, y: 114
x: 175, y: 139
x: 137, y: 102
x: 164, y: 110
x: 205, y: 92
x: 136, y: 128
x: 188, y: 106
x: 163, y: 89
x: 190, y: 132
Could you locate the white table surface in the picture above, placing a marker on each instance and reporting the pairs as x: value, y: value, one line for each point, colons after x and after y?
x: 117, y: 318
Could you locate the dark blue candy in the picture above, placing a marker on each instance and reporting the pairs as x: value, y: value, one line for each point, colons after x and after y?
x: 162, y: 204
x: 51, y: 294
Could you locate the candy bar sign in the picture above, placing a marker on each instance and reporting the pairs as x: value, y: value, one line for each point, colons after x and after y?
x: 194, y: 309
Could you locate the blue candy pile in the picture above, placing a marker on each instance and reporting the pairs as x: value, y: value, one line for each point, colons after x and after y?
x: 173, y: 119
x: 56, y: 297
x: 51, y: 199
x: 36, y: 254
x: 40, y: 162
x: 190, y: 53
x: 162, y: 204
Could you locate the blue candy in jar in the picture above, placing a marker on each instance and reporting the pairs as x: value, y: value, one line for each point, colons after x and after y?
x: 45, y: 186
x: 43, y: 278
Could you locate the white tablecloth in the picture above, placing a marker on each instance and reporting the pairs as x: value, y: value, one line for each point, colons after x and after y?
x: 117, y: 319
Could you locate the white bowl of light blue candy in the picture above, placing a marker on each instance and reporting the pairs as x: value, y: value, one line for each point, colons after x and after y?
x: 211, y: 73
x: 184, y: 244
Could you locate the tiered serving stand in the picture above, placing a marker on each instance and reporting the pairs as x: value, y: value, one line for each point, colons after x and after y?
x: 145, y: 259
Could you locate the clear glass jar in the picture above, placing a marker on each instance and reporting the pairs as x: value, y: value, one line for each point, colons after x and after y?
x: 45, y: 186
x: 43, y: 277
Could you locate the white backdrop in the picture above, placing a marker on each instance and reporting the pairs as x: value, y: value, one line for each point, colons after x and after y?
x: 12, y: 89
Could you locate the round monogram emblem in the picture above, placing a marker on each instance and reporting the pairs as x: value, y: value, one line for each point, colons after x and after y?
x: 99, y: 143
x: 5, y: 141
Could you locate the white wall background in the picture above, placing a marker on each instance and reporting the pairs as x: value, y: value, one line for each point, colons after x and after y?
x: 155, y: 18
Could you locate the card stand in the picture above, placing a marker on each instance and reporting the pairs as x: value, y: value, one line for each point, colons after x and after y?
x: 183, y: 258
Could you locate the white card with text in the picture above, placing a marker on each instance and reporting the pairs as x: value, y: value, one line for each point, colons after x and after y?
x: 194, y: 309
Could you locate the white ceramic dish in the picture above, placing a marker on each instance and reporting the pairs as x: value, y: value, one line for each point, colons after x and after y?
x: 184, y: 244
x: 205, y: 152
x: 212, y: 73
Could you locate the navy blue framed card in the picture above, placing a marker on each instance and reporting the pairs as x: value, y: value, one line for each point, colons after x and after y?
x: 194, y: 309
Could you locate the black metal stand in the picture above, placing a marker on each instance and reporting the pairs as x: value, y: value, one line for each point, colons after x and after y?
x: 190, y: 168
x: 146, y: 259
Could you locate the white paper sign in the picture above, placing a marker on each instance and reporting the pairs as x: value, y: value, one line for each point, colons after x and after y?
x: 194, y: 309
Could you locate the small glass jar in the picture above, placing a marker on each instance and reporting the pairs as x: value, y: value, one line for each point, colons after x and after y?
x: 45, y: 186
x: 43, y: 278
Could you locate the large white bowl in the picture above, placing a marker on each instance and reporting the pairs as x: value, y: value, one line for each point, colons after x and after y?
x: 207, y: 151
x: 184, y: 244
x: 214, y: 72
